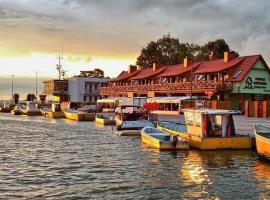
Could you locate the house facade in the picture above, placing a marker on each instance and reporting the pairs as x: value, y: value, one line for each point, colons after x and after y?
x: 56, y: 90
x: 85, y: 89
x: 232, y: 78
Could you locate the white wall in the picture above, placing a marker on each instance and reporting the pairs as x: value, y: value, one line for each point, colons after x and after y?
x: 76, y: 87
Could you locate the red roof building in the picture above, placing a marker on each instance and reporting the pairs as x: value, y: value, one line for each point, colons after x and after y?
x: 245, y: 77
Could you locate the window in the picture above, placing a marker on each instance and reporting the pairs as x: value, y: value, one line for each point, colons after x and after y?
x: 96, y: 86
x: 236, y: 74
x: 85, y: 98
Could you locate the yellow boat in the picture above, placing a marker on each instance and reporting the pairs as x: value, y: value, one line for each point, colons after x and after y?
x: 51, y: 114
x: 208, y: 129
x: 79, y: 115
x: 55, y: 111
x: 262, y: 137
x: 103, y: 120
x: 157, y: 139
x: 31, y: 109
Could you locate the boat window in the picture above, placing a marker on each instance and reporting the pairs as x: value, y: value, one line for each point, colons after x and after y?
x: 189, y: 118
x: 198, y: 119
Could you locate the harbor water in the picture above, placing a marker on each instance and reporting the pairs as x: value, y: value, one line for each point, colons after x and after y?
x: 61, y: 159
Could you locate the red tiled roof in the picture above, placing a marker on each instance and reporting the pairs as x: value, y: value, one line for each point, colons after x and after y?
x: 217, y: 65
x: 246, y: 65
x: 175, y: 70
x: 147, y: 73
x: 125, y: 75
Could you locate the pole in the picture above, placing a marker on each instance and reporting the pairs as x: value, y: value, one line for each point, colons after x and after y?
x: 12, y: 77
x: 191, y: 82
x: 36, y: 87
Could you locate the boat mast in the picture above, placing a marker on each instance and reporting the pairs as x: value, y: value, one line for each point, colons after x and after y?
x: 12, y: 91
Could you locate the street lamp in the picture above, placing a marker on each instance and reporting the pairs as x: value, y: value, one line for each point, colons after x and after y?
x: 12, y: 91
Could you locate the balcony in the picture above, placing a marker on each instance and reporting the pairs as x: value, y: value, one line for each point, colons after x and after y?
x: 183, y: 87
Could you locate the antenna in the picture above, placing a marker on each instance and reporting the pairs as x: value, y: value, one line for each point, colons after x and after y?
x: 61, y: 72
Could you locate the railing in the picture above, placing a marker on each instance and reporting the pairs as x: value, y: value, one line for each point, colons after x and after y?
x: 198, y: 86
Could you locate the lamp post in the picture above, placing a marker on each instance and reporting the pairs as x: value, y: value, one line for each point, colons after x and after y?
x: 12, y: 85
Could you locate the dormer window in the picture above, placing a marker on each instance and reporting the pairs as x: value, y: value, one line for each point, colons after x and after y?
x: 236, y: 74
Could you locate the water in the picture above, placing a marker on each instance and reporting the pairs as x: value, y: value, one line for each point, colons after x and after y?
x: 61, y: 159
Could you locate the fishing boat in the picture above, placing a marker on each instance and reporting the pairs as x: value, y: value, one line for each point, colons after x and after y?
x: 208, y: 129
x: 157, y: 139
x: 103, y: 119
x: 31, y: 109
x: 130, y: 120
x: 55, y: 111
x: 79, y: 115
x: 17, y: 110
x: 262, y: 137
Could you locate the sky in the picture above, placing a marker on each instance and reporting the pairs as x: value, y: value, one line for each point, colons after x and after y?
x: 109, y: 34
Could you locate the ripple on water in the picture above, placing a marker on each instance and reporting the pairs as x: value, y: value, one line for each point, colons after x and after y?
x: 58, y: 159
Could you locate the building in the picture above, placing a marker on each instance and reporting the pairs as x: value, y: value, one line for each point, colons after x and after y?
x: 232, y: 78
x: 56, y: 90
x: 85, y: 88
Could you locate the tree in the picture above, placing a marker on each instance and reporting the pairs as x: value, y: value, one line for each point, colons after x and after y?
x: 98, y: 73
x: 169, y: 51
x: 30, y: 97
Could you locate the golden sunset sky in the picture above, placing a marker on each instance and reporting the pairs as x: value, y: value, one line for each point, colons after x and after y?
x: 110, y: 34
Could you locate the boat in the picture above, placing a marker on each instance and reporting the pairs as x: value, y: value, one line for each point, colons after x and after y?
x: 17, y: 110
x: 103, y: 119
x: 262, y: 138
x: 31, y: 109
x: 79, y: 115
x: 55, y: 111
x: 130, y: 120
x: 208, y: 129
x: 157, y: 139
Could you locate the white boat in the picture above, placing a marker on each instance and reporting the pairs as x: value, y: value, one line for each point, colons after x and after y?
x: 130, y: 120
x: 17, y: 110
x: 31, y: 109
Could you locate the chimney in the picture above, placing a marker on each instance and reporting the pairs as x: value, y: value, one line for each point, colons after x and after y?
x: 132, y: 68
x: 229, y: 56
x: 156, y: 66
x: 186, y: 62
x: 211, y: 55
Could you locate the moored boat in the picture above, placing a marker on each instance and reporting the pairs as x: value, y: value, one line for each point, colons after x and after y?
x: 16, y: 111
x: 55, y: 112
x: 209, y: 129
x: 130, y: 120
x: 262, y: 138
x: 102, y: 119
x: 31, y: 109
x: 157, y: 139
x: 79, y: 115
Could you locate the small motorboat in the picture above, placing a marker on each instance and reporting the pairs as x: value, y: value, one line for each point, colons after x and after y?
x: 130, y: 120
x: 17, y: 110
x: 262, y: 137
x: 103, y: 119
x: 55, y: 112
x: 31, y: 109
x: 161, y: 140
x: 79, y: 115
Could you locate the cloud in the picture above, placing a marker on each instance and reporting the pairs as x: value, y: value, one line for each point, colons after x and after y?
x: 123, y: 27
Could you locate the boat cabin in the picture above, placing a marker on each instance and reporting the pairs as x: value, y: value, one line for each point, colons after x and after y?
x: 210, y: 122
x: 166, y: 105
x: 108, y: 104
x: 129, y: 112
x: 32, y: 106
x: 56, y: 107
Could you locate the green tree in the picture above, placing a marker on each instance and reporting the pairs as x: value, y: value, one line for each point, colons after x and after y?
x: 169, y: 51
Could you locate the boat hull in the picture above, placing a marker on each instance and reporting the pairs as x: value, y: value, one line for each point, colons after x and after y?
x: 103, y: 121
x: 80, y: 116
x: 54, y: 115
x: 162, y: 145
x: 214, y: 143
x: 31, y: 113
x: 262, y: 142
